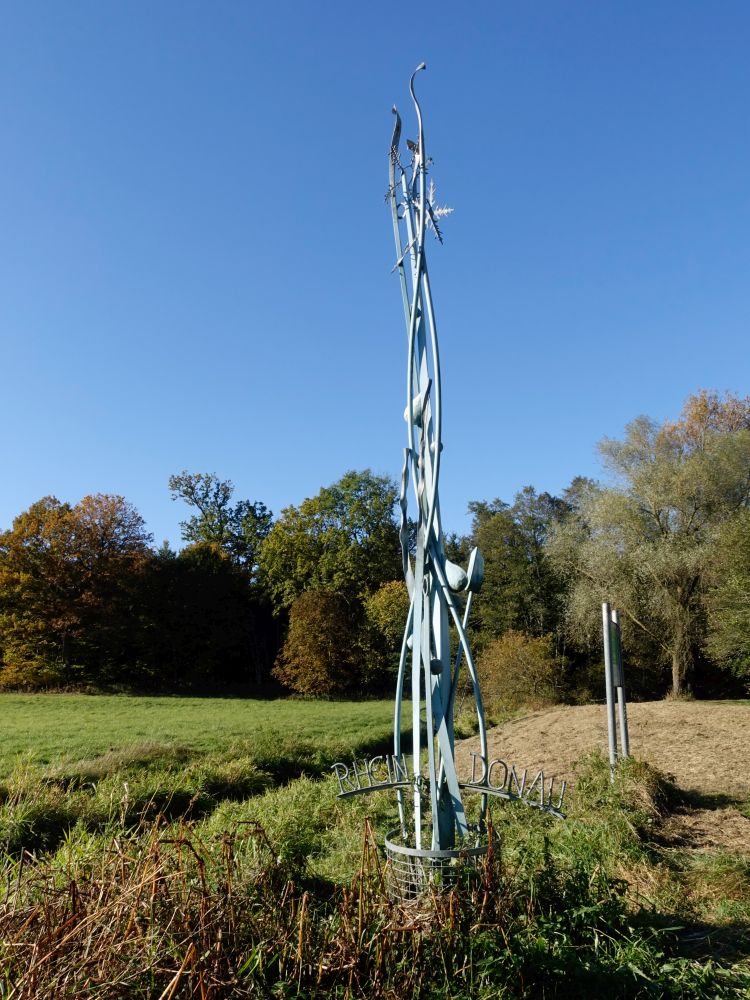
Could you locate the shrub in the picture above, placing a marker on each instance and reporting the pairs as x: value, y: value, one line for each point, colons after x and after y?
x: 519, y: 669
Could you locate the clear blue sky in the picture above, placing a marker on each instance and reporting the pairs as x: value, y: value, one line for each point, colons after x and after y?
x: 195, y: 251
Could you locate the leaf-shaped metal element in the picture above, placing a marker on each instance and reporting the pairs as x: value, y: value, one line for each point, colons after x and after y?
x: 475, y: 571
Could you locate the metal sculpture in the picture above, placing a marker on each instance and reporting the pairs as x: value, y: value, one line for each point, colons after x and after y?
x: 433, y: 581
x: 435, y: 840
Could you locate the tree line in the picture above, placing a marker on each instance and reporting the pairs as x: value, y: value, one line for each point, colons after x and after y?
x: 313, y: 601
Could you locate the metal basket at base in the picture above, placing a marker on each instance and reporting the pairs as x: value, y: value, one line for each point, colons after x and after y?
x: 412, y: 871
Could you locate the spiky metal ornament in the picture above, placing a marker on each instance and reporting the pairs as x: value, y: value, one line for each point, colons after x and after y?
x: 440, y: 591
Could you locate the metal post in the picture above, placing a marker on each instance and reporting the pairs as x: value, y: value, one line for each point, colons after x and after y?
x: 619, y: 678
x: 611, y: 736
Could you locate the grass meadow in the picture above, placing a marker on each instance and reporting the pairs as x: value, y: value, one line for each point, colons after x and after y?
x: 46, y: 729
x: 172, y: 848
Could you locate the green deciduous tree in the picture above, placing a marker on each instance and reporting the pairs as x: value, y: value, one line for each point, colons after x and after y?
x: 728, y: 598
x: 343, y: 540
x: 237, y: 528
x: 645, y: 544
x: 206, y: 628
x: 521, y: 589
x: 323, y: 562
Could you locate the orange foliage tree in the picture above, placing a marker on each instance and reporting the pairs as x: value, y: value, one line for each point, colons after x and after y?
x: 68, y: 576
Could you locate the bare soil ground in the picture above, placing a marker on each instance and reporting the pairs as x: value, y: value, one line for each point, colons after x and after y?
x: 703, y: 747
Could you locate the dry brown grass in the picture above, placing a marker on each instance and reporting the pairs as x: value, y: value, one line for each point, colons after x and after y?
x: 160, y: 916
x: 705, y: 747
x: 722, y: 829
x: 164, y: 916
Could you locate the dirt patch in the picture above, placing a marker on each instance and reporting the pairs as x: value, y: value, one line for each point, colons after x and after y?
x: 704, y: 747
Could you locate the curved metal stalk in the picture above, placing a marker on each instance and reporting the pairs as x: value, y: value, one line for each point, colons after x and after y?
x: 397, y: 716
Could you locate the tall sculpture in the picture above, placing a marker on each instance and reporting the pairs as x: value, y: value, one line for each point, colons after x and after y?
x: 440, y: 591
x: 435, y: 843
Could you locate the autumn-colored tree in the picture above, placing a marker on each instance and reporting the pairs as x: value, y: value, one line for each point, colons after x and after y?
x: 68, y: 587
x: 322, y: 655
x: 705, y: 414
x: 386, y: 612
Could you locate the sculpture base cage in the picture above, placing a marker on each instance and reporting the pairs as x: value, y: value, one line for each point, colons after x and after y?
x: 411, y: 872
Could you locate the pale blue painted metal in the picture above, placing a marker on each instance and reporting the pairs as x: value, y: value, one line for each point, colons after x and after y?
x: 437, y: 587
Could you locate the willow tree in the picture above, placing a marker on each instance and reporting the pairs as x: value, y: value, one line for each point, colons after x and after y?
x: 728, y: 639
x: 646, y: 543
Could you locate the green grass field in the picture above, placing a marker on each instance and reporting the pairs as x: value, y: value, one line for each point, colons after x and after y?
x: 48, y: 730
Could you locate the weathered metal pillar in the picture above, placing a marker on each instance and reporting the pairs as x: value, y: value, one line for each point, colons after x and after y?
x: 619, y: 681
x: 609, y: 686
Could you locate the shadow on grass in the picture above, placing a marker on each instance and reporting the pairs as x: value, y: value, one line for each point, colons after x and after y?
x: 135, y: 757
x: 727, y: 943
x: 691, y: 798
